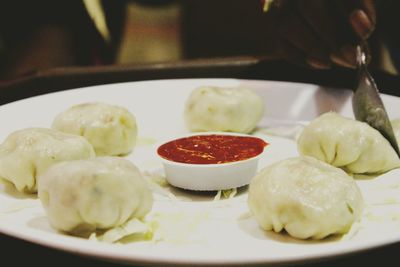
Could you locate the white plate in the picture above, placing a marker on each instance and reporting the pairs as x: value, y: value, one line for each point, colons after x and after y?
x: 218, y: 233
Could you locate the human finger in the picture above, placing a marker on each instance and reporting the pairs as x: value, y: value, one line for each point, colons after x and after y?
x: 296, y: 32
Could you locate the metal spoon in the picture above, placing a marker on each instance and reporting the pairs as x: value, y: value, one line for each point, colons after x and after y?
x: 367, y: 103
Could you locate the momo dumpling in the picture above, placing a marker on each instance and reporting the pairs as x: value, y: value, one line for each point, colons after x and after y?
x: 85, y: 195
x: 26, y: 154
x: 110, y: 129
x: 223, y: 109
x: 306, y: 197
x: 349, y: 144
x: 396, y: 129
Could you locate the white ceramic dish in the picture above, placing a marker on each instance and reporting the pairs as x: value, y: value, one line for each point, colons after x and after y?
x: 211, y: 177
x: 206, y: 231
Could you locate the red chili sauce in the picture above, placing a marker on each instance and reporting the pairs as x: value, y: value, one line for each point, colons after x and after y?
x: 212, y: 149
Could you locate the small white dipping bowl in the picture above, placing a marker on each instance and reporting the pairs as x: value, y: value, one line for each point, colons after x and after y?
x: 211, y: 177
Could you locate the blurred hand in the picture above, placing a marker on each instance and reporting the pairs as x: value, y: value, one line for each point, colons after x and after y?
x: 319, y: 33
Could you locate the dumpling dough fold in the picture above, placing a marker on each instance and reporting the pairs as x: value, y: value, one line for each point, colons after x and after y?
x: 306, y: 197
x: 352, y: 145
x: 111, y: 129
x: 26, y: 154
x: 396, y: 129
x: 223, y: 109
x: 85, y: 195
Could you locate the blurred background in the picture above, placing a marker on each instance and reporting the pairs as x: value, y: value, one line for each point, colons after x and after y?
x: 191, y: 29
x: 41, y: 34
x: 44, y: 34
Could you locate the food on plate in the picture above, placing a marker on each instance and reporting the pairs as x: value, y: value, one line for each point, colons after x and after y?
x: 26, y: 154
x: 396, y: 129
x: 96, y: 194
x: 110, y: 129
x: 352, y: 145
x: 211, y: 161
x: 306, y: 197
x: 223, y: 109
x: 212, y: 148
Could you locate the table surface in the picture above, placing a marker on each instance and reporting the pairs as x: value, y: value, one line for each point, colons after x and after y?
x: 58, y: 79
x: 244, y: 68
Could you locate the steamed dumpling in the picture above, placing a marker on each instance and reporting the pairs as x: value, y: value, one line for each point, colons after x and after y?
x: 396, y: 129
x: 26, y: 154
x: 223, y: 109
x: 306, y: 197
x: 349, y: 144
x: 84, y: 195
x: 110, y: 129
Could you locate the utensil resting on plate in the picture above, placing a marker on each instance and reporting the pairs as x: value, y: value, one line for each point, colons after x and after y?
x: 367, y: 103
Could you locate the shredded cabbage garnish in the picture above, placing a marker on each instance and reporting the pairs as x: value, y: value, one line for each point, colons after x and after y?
x: 158, y: 184
x: 289, y: 132
x: 20, y: 205
x: 225, y: 194
x: 132, y: 227
x: 178, y: 228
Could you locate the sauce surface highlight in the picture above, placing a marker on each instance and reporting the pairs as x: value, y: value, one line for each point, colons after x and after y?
x: 212, y: 149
